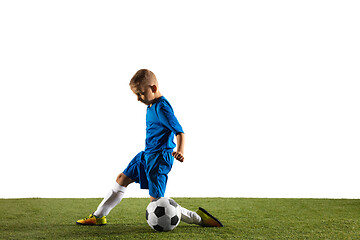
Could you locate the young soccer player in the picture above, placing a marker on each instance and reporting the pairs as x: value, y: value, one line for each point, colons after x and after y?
x: 150, y: 168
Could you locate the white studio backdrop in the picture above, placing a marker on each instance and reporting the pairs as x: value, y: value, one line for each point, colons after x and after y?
x: 266, y: 91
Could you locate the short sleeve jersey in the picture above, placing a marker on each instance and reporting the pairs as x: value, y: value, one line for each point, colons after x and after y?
x: 161, y: 127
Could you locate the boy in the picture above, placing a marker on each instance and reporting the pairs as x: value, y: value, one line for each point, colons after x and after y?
x: 150, y: 168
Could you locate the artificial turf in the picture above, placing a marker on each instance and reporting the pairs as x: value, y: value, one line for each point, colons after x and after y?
x: 243, y: 218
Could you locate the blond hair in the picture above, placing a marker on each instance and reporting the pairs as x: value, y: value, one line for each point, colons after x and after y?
x: 143, y: 77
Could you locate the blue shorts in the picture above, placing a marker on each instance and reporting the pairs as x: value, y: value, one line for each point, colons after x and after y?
x: 151, y: 171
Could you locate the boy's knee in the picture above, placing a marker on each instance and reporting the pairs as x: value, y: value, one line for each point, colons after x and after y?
x: 120, y: 178
x: 123, y: 180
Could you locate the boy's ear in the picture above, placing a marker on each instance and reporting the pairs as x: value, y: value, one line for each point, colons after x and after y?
x: 153, y: 88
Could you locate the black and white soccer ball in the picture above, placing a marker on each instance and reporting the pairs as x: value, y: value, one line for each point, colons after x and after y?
x: 163, y: 214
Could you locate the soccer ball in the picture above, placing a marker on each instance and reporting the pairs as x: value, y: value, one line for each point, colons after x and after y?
x: 163, y: 214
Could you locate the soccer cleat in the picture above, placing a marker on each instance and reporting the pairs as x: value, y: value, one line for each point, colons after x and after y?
x: 92, y: 220
x: 208, y: 220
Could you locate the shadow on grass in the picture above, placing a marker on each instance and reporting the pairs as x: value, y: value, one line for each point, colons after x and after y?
x: 117, y: 230
x: 128, y: 231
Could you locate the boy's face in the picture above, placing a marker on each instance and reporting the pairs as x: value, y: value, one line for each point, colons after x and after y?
x: 145, y: 94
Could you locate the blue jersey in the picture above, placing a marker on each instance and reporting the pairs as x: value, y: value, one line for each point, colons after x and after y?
x: 161, y: 127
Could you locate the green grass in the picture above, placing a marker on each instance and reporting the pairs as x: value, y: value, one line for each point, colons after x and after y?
x: 243, y: 218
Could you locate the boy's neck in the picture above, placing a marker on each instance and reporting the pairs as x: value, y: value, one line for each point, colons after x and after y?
x: 155, y: 100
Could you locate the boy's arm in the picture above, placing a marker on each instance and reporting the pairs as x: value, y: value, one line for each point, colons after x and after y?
x: 180, y: 143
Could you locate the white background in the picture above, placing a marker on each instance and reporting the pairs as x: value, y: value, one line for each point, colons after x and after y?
x: 267, y: 92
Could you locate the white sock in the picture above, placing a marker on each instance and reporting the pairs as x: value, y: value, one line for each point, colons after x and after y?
x: 190, y: 217
x: 112, y: 199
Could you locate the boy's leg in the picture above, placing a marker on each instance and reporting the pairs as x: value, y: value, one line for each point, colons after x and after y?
x: 114, y: 197
x: 129, y: 175
x: 134, y: 172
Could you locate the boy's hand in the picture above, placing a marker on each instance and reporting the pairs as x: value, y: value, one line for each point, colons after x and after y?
x: 178, y: 156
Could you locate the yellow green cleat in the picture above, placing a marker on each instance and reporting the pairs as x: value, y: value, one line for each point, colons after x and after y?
x: 92, y: 220
x: 208, y: 220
